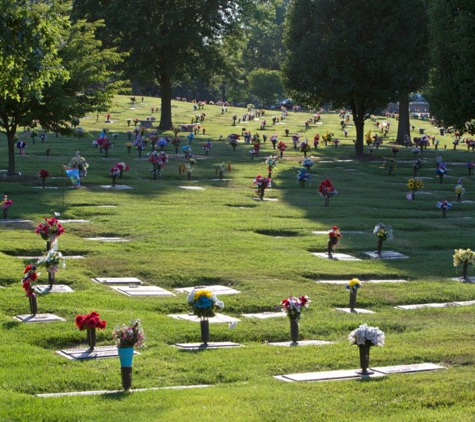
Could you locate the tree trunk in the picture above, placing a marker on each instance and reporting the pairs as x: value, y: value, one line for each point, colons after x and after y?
x: 403, y: 127
x: 358, y: 117
x: 11, y: 152
x: 166, y: 96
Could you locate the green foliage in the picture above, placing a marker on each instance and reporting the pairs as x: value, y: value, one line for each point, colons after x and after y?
x: 266, y: 85
x: 451, y: 89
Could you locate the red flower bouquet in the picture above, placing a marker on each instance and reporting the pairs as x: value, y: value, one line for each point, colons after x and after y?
x: 29, y: 276
x: 89, y: 321
x: 50, y: 228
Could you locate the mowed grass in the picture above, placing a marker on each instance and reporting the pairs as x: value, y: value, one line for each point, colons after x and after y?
x: 222, y: 235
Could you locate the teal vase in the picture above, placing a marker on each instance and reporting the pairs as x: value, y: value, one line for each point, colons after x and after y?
x: 126, y: 355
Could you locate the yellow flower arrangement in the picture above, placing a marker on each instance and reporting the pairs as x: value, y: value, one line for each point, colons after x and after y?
x: 462, y: 256
x: 415, y: 184
x: 353, y: 284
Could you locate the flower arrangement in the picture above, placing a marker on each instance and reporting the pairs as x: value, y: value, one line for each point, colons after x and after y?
x: 79, y: 163
x: 305, y: 148
x: 366, y: 336
x: 470, y: 167
x: 204, y: 303
x: 29, y: 276
x: 441, y: 169
x: 444, y: 205
x: 42, y: 174
x: 390, y: 165
x: 51, y: 228
x: 53, y: 260
x: 307, y: 163
x: 262, y: 183
x: 158, y: 160
x: 463, y: 256
x: 128, y: 145
x: 129, y: 335
x: 114, y: 171
x: 383, y: 231
x: 353, y: 285
x: 176, y: 142
x: 326, y: 189
x: 293, y: 306
x: 415, y: 184
x: 6, y: 203
x: 162, y: 143
x: 327, y: 137
x: 281, y: 146
x: 122, y: 167
x: 416, y: 151
x: 395, y: 150
x: 303, y: 176
x: 89, y: 321
x: 271, y: 162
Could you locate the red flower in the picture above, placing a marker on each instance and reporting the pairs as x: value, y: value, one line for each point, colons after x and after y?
x: 89, y: 321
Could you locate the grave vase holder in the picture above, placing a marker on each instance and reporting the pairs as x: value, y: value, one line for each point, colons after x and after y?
x: 380, y: 246
x: 261, y: 193
x: 126, y: 355
x: 469, y: 171
x: 364, y: 359
x: 113, y: 180
x: 464, y: 270
x: 459, y: 197
x: 327, y: 201
x: 5, y: 213
x: 33, y: 305
x: 353, y: 298
x: 444, y: 212
x: 204, y: 328
x: 294, y: 330
x: 91, y: 338
x: 189, y: 175
x: 220, y: 174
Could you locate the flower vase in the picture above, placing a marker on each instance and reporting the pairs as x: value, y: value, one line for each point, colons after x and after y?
x: 204, y: 327
x: 100, y: 149
x: 91, y: 338
x: 469, y: 172
x: 302, y: 183
x: 176, y: 150
x: 281, y: 154
x: 113, y: 180
x: 220, y: 174
x: 50, y: 279
x: 128, y: 150
x: 154, y: 175
x: 121, y: 174
x: 126, y: 355
x: 364, y: 360
x: 444, y: 212
x: 330, y: 249
x: 353, y: 298
x: 43, y: 182
x: 441, y: 178
x: 294, y: 330
x: 327, y: 201
x: 140, y: 153
x: 380, y: 246
x: 33, y: 304
x: 106, y: 153
x: 464, y: 270
x: 5, y: 213
x: 189, y: 175
x: 261, y: 193
x: 459, y: 197
x: 162, y: 147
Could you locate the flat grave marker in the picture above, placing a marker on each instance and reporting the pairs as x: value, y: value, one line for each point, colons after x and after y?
x: 57, y: 288
x: 107, y: 239
x: 117, y: 187
x: 16, y: 221
x: 266, y: 199
x: 39, y: 318
x: 265, y: 315
x: 345, y: 282
x: 132, y: 390
x: 208, y: 346
x: 355, y: 311
x: 300, y: 343
x: 427, y: 305
x: 73, y: 221
x: 218, y: 318
x: 142, y: 291
x: 318, y: 232
x: 401, y: 369
x: 99, y: 352
x: 117, y: 280
x: 215, y: 289
x: 64, y: 256
x: 327, y: 376
x: 336, y: 256
x: 468, y: 280
x: 192, y: 187
x: 386, y: 255
x: 465, y: 303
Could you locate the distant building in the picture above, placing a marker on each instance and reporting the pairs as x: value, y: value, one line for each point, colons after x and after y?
x: 419, y: 105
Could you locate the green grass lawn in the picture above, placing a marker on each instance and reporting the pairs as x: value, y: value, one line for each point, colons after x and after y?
x: 222, y: 235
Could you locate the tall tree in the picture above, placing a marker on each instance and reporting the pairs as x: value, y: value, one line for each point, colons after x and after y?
x: 172, y: 41
x: 335, y: 57
x: 50, y: 71
x: 451, y: 88
x: 266, y: 85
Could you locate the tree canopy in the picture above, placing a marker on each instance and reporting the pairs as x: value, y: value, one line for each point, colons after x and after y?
x: 50, y: 71
x: 451, y: 88
x: 347, y: 52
